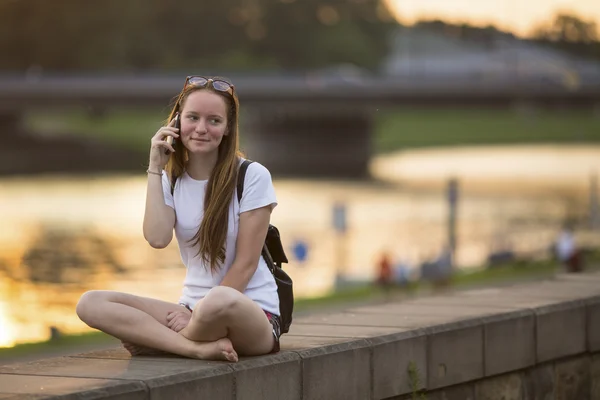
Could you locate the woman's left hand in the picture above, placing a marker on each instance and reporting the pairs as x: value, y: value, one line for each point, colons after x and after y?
x: 178, y: 320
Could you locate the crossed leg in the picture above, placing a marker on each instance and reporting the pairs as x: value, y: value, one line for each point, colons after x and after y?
x: 143, y: 321
x: 225, y: 312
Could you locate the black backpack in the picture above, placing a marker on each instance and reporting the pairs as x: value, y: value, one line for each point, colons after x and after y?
x: 274, y: 256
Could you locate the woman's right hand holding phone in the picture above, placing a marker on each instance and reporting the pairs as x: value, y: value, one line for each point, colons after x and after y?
x: 160, y: 149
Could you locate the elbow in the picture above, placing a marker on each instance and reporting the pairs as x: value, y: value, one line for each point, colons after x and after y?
x: 157, y: 242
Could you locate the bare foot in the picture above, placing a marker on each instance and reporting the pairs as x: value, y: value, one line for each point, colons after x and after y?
x: 136, y: 350
x: 221, y: 350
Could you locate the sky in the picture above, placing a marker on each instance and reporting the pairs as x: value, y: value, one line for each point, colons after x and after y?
x: 518, y: 16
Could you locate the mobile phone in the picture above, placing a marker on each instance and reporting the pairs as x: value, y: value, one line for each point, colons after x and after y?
x: 171, y: 139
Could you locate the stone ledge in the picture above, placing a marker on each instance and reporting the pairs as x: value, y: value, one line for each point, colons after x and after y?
x: 465, y: 338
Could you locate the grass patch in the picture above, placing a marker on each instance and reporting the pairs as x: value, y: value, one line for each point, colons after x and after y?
x: 414, y: 128
x: 131, y: 129
x: 394, y: 130
x: 337, y: 297
x: 505, y: 273
x: 63, y: 342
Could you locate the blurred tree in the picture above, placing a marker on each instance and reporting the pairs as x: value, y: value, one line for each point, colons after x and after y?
x: 72, y: 35
x: 567, y: 28
x: 314, y: 33
x: 565, y: 32
x: 571, y: 34
x: 464, y: 31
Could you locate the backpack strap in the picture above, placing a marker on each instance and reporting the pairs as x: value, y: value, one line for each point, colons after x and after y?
x: 240, y: 190
x: 241, y: 178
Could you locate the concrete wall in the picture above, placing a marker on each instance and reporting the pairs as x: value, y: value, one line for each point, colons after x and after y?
x: 533, y: 341
x: 569, y: 378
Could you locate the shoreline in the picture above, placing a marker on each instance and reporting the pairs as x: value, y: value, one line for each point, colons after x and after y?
x: 552, y: 168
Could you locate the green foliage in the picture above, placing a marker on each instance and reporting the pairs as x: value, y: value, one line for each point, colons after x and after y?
x: 566, y: 32
x: 571, y: 34
x: 64, y: 342
x: 394, y: 130
x: 414, y: 381
x: 568, y: 28
x: 412, y: 128
x: 113, y: 35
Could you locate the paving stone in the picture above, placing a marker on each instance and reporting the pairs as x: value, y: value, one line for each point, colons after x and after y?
x: 499, y: 303
x: 182, y: 379
x: 340, y: 330
x: 431, y: 310
x: 134, y: 369
x: 532, y: 296
x: 29, y: 386
x: 119, y: 353
x: 465, y: 301
x: 556, y: 290
x: 379, y: 320
x: 291, y: 342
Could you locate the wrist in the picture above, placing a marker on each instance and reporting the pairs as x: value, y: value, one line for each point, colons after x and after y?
x: 154, y: 170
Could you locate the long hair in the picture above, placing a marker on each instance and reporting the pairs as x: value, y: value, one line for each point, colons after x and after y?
x: 212, y: 233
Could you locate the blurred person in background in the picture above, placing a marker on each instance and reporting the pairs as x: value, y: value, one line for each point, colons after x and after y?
x: 566, y: 250
x: 384, y: 272
x: 229, y: 303
x: 402, y: 273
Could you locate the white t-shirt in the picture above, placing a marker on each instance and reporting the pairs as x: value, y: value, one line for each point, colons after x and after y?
x: 188, y: 202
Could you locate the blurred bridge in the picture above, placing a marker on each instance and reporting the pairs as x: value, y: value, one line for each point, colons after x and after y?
x: 308, y: 125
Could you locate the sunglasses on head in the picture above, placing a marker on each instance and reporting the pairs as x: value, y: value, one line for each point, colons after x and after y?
x: 217, y: 84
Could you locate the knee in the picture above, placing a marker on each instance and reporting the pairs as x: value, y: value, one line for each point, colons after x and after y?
x: 87, y: 304
x: 220, y: 302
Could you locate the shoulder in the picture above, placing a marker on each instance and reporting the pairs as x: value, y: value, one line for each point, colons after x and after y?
x: 258, y: 188
x: 257, y: 171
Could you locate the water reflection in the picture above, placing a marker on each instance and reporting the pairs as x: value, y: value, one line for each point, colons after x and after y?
x: 67, y: 257
x: 62, y: 236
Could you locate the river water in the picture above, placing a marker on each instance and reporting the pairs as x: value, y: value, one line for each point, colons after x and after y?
x: 62, y: 235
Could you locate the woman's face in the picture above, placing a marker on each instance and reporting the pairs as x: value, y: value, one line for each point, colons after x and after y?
x: 203, y: 122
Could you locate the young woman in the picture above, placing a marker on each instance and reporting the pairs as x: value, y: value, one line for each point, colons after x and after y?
x: 229, y: 304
